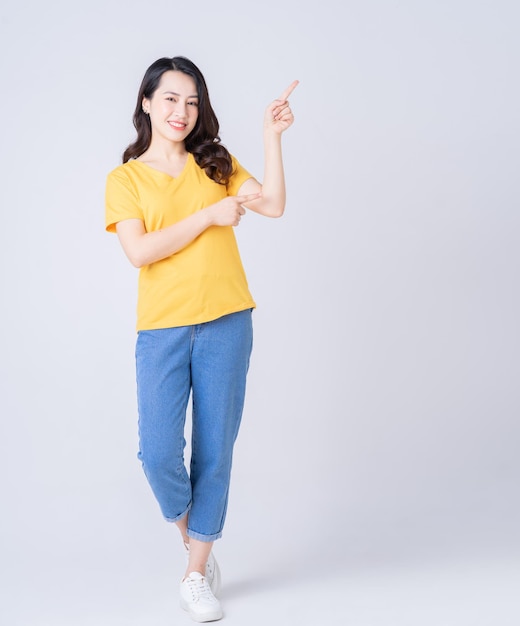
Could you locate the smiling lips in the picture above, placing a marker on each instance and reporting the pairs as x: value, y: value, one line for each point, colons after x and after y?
x: 177, y: 125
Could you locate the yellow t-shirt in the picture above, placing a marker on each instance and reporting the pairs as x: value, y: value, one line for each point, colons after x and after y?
x: 204, y: 280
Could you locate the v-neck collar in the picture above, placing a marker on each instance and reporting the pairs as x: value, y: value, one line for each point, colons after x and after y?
x: 161, y: 173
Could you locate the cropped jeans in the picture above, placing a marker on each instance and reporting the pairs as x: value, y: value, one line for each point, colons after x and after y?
x: 210, y: 361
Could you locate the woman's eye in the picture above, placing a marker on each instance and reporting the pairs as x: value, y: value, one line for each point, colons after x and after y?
x: 194, y: 104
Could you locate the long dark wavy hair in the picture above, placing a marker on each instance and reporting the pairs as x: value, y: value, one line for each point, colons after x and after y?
x: 203, y: 141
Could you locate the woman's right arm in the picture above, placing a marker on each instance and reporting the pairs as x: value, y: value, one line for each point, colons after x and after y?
x: 143, y: 248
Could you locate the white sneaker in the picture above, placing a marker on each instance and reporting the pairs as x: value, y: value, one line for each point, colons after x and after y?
x: 198, y: 599
x: 212, y: 571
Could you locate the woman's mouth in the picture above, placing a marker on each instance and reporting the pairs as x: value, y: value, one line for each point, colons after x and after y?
x: 177, y: 125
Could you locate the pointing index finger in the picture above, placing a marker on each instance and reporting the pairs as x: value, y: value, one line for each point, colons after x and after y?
x: 289, y: 90
x: 248, y: 197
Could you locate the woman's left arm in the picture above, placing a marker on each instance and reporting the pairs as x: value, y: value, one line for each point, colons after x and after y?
x: 278, y: 117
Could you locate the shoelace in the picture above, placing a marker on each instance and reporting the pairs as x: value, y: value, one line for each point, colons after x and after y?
x: 199, y: 588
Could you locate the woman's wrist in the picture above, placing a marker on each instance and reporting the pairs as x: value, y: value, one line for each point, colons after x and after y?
x: 206, y: 216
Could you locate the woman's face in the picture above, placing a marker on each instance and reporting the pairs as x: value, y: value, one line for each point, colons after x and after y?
x: 174, y: 107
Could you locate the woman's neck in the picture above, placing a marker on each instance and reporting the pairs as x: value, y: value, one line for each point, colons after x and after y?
x: 166, y: 152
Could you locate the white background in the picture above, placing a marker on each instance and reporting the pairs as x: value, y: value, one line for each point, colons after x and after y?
x: 376, y: 473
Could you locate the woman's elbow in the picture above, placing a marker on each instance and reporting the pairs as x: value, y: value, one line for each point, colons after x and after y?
x: 276, y: 211
x: 136, y: 258
x: 141, y: 257
x: 133, y: 242
x: 273, y: 209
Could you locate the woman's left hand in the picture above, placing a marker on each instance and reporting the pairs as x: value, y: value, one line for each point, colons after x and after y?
x: 278, y: 115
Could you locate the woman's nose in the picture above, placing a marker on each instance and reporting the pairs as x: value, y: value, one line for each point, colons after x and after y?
x: 180, y: 109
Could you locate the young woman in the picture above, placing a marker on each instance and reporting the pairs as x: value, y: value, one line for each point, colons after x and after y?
x: 174, y: 203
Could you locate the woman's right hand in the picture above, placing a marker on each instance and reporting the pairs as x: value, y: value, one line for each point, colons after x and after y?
x: 229, y: 210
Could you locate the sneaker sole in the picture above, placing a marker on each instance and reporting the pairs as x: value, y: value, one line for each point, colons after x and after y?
x: 197, y: 617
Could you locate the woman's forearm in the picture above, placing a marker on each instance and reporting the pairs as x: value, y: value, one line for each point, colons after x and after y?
x: 143, y: 248
x: 277, y: 119
x: 273, y: 185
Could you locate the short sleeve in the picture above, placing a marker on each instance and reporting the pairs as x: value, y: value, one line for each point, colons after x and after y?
x: 239, y: 176
x: 121, y: 199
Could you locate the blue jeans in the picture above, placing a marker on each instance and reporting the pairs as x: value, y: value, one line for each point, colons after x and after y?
x: 211, y: 361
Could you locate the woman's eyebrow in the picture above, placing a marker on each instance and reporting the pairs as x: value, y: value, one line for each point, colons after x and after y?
x: 174, y: 93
